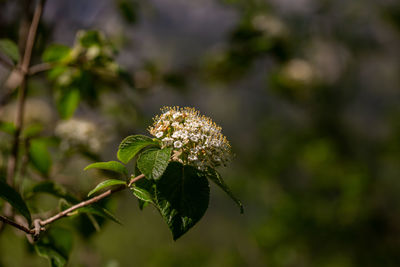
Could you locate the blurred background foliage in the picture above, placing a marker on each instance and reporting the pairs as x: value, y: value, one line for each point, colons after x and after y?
x: 306, y: 90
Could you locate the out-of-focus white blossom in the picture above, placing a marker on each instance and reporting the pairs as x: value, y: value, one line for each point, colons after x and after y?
x: 300, y: 70
x: 269, y: 24
x: 36, y: 111
x: 196, y: 140
x: 78, y: 132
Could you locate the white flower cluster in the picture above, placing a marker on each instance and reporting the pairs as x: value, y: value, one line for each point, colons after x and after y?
x: 196, y: 140
x: 78, y: 132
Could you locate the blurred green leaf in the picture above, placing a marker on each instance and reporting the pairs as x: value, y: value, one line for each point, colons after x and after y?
x: 128, y: 9
x: 153, y: 162
x: 56, y: 71
x: 68, y: 102
x: 51, y: 188
x: 10, y: 49
x: 105, y: 184
x: 7, y: 127
x: 40, y: 156
x: 32, y: 130
x: 90, y: 38
x: 114, y: 166
x: 99, y: 211
x: 214, y: 176
x: 55, y: 52
x: 11, y: 196
x: 94, y: 209
x: 55, y: 245
x: 131, y: 145
x: 181, y: 195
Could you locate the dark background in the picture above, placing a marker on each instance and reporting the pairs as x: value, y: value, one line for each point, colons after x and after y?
x: 306, y: 91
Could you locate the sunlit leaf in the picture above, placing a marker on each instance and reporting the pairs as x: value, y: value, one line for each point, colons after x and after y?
x: 131, y: 145
x: 114, y: 166
x: 105, y: 184
x: 153, y: 162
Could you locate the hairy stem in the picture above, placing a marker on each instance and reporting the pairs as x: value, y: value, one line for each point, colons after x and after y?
x: 89, y: 201
x: 35, y: 231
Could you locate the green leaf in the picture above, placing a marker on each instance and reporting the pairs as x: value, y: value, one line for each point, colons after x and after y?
x: 153, y: 162
x: 89, y: 38
x: 11, y: 196
x: 51, y: 188
x: 99, y: 211
x: 32, y: 130
x: 7, y: 127
x: 214, y: 176
x: 10, y: 49
x: 55, y: 245
x: 68, y: 102
x: 40, y: 156
x: 55, y: 52
x: 106, y: 183
x: 56, y: 72
x: 131, y: 145
x: 181, y: 195
x: 143, y: 190
x: 114, y: 166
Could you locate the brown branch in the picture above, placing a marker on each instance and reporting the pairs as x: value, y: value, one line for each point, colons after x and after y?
x: 39, y: 68
x: 23, y: 68
x: 13, y: 160
x: 37, y: 228
x: 89, y: 201
x: 16, y: 225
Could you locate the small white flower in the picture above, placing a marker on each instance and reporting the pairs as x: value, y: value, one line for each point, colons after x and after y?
x: 175, y: 124
x: 176, y: 115
x: 178, y: 144
x: 184, y: 136
x: 195, y: 138
x: 176, y: 134
x: 159, y: 134
x: 192, y: 157
x: 167, y: 141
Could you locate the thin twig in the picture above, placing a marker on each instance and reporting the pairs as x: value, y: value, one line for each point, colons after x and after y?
x: 16, y: 225
x: 13, y: 160
x: 30, y: 40
x: 89, y: 201
x: 39, y: 68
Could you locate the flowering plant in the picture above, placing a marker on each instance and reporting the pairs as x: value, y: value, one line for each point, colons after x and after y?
x: 177, y: 165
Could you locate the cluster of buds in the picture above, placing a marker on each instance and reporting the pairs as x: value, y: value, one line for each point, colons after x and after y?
x: 196, y: 140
